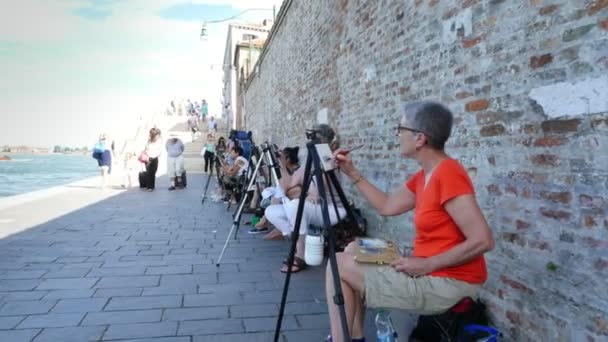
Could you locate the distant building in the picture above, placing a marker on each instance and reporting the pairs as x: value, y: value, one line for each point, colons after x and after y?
x: 243, y: 46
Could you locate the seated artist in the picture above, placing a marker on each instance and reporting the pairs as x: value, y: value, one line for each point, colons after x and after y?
x: 232, y: 173
x: 290, y: 163
x: 451, y: 232
x: 312, y: 215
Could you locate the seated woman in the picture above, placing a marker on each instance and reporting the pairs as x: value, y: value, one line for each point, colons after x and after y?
x: 289, y: 158
x: 284, y: 220
x: 231, y: 173
x: 451, y: 232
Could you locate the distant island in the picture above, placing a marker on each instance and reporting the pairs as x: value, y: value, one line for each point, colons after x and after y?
x: 42, y: 150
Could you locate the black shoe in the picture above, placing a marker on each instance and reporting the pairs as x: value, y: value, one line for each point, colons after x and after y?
x: 254, y: 230
x: 171, y: 188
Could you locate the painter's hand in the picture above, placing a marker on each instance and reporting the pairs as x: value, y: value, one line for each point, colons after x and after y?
x: 345, y: 163
x: 413, y: 266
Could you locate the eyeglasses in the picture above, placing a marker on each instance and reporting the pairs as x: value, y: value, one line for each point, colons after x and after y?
x: 402, y: 128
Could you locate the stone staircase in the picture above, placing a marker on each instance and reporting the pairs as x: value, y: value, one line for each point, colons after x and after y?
x: 193, y: 161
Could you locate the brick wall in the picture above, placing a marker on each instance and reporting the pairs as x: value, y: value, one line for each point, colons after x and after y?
x: 527, y: 83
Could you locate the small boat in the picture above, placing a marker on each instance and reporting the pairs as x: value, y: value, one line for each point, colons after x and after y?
x: 5, y: 157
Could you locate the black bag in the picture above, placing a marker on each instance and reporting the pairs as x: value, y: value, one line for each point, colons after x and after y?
x: 347, y: 230
x: 183, y: 182
x: 142, y: 179
x: 449, y: 326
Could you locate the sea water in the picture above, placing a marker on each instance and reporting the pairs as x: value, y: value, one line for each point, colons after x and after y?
x: 31, y: 172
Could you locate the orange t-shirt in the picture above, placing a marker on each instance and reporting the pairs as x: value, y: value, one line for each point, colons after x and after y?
x: 436, y: 232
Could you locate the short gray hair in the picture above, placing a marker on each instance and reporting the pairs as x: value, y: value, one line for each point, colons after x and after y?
x: 430, y: 118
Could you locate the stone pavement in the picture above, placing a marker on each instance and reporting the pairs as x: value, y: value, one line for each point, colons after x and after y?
x: 140, y: 266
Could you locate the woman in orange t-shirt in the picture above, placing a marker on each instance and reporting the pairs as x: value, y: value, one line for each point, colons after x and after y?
x: 451, y: 232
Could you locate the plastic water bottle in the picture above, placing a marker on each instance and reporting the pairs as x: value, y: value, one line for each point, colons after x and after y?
x: 314, y: 244
x: 384, y: 327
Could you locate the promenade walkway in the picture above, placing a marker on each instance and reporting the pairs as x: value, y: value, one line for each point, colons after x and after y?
x: 114, y: 265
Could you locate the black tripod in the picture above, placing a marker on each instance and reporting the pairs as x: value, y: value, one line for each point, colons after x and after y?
x: 274, y: 169
x: 216, y: 159
x: 320, y: 176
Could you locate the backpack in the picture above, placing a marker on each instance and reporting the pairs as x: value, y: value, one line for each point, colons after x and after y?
x: 244, y: 141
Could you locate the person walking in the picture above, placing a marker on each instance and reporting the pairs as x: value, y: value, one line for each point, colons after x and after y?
x: 209, y: 154
x: 103, y: 154
x: 204, y: 110
x: 153, y: 150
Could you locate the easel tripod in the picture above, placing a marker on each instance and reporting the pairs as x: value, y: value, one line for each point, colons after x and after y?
x: 265, y: 157
x: 320, y: 176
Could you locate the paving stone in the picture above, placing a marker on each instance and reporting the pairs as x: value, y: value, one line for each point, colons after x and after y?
x: 211, y: 327
x: 313, y: 321
x: 122, y: 292
x: 212, y: 299
x: 19, y: 284
x: 70, y: 334
x: 80, y: 305
x: 26, y: 307
x: 67, y: 284
x: 67, y: 273
x: 250, y: 337
x: 18, y: 335
x: 135, y: 281
x: 161, y: 339
x: 254, y: 310
x: 305, y: 308
x: 151, y: 302
x: 23, y: 295
x: 260, y: 324
x: 52, y: 320
x: 9, y: 322
x: 305, y: 335
x: 65, y: 294
x: 122, y: 317
x: 32, y: 274
x: 243, y: 277
x: 186, y: 314
x: 140, y: 330
x: 116, y: 271
x: 162, y: 270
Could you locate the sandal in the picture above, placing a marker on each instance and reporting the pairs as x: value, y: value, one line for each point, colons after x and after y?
x: 298, y: 263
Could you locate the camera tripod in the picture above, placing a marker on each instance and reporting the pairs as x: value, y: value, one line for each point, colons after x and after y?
x: 313, y: 159
x: 265, y: 157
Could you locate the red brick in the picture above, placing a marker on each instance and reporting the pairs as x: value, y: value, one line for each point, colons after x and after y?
x: 596, y: 6
x: 468, y: 43
x: 550, y: 141
x: 522, y: 224
x: 557, y: 197
x: 477, y: 105
x: 601, y: 264
x: 545, y: 160
x: 604, y: 24
x: 510, y: 189
x: 555, y: 214
x: 548, y: 9
x: 460, y: 70
x: 513, y: 317
x: 541, y: 245
x: 594, y: 243
x: 539, y: 61
x: 450, y: 13
x: 589, y: 222
x: 493, y: 189
x: 492, y: 130
x: 560, y: 126
x: 463, y: 95
x: 403, y: 90
x: 513, y: 238
x: 515, y: 284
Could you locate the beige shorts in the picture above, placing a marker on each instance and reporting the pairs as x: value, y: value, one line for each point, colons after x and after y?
x: 386, y: 288
x: 175, y: 166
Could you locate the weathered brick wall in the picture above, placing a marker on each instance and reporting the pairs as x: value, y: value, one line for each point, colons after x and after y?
x: 527, y: 83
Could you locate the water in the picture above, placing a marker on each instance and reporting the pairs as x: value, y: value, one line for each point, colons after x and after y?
x: 31, y: 172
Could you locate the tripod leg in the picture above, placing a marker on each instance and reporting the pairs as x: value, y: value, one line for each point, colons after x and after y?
x: 207, y: 186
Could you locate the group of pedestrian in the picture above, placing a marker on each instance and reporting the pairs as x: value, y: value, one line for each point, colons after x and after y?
x: 149, y: 158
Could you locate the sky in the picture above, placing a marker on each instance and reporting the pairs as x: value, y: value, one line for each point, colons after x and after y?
x: 70, y: 69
